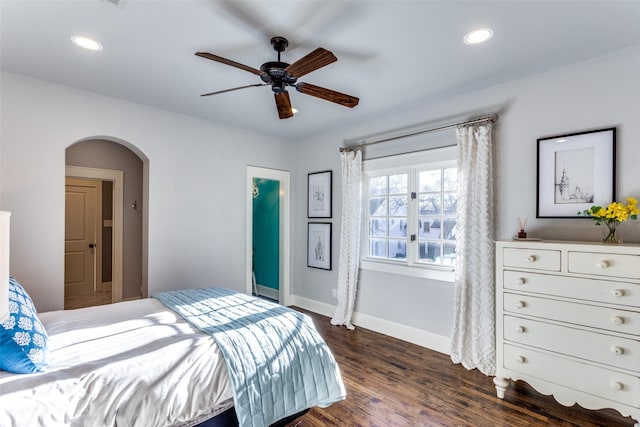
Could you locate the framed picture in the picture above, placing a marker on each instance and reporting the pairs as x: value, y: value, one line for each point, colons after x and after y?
x: 319, y: 194
x: 575, y: 172
x: 319, y: 245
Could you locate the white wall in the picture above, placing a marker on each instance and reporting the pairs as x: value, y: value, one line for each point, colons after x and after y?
x: 197, y: 178
x: 597, y: 94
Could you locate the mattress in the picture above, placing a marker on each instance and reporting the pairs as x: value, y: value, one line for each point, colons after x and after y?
x: 134, y: 363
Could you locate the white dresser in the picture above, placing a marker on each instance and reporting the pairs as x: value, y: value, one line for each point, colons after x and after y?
x: 568, y: 322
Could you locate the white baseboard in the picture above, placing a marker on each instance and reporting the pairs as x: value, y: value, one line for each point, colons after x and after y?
x: 439, y: 343
x: 268, y: 292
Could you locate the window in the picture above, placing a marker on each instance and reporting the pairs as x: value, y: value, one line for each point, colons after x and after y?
x: 410, y: 213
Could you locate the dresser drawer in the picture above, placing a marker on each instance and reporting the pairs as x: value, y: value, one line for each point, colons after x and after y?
x: 573, y: 287
x: 538, y: 259
x: 594, y: 380
x: 611, y: 319
x: 603, y: 264
x: 614, y: 351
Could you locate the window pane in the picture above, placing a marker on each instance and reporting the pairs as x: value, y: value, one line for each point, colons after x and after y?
x: 398, y: 227
x: 449, y: 256
x: 449, y: 229
x: 450, y: 179
x: 378, y: 186
x: 378, y: 248
x: 450, y: 203
x: 378, y: 227
x: 378, y: 206
x: 397, y: 249
x: 398, y: 184
x: 398, y: 206
x: 429, y: 204
x: 429, y: 251
x: 430, y: 181
x: 429, y: 228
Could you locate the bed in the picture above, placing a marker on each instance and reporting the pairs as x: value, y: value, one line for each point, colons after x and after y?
x: 182, y: 358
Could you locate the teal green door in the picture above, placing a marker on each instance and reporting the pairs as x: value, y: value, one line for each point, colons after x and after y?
x: 266, y: 236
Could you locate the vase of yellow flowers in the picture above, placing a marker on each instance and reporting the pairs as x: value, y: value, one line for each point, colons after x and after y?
x: 612, y: 216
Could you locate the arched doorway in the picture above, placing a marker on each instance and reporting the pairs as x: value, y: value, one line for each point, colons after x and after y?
x: 105, y: 263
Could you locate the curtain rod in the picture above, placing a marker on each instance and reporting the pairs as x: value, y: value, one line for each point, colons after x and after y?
x: 491, y: 119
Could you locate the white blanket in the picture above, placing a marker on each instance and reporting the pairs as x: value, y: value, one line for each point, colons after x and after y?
x: 135, y: 363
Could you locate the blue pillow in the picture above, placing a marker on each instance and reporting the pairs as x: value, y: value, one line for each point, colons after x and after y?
x: 23, y: 340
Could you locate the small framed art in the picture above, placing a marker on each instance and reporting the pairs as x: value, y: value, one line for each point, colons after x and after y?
x: 319, y: 194
x: 319, y: 245
x: 575, y: 172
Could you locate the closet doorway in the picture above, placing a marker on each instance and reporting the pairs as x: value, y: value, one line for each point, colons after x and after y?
x: 268, y: 233
x: 93, y: 236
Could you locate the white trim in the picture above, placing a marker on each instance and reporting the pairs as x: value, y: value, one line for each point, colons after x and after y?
x: 435, y: 342
x: 285, y: 228
x: 443, y: 274
x: 117, y: 176
x: 5, y: 231
x: 265, y: 291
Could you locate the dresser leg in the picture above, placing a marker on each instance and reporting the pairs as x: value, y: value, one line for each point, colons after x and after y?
x: 501, y: 387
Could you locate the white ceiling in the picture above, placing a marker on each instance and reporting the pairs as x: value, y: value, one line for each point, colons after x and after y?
x: 391, y: 54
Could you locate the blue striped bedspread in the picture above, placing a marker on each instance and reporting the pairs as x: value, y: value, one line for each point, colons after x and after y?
x: 278, y: 364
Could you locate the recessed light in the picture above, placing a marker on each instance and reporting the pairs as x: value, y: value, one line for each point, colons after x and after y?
x: 478, y: 36
x: 86, y: 43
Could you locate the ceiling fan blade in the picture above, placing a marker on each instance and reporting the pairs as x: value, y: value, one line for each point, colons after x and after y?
x: 248, y: 17
x: 235, y: 88
x: 284, y: 105
x: 327, y: 94
x: 311, y: 62
x: 228, y: 62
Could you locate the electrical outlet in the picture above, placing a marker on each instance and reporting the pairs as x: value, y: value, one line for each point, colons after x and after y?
x: 334, y: 293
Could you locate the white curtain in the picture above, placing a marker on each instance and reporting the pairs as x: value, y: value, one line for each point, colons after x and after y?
x: 473, y: 339
x: 349, y: 237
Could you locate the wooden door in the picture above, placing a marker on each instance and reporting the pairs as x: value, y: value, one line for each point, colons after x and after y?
x: 81, y: 236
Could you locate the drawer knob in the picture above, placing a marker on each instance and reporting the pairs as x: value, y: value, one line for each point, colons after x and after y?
x: 520, y: 281
x: 603, y: 264
x: 520, y: 329
x: 616, y: 385
x: 617, y: 292
x: 531, y: 258
x: 520, y: 359
x: 617, y: 350
x: 520, y: 304
x: 617, y: 320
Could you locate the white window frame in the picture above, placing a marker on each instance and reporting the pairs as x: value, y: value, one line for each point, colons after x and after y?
x: 411, y: 164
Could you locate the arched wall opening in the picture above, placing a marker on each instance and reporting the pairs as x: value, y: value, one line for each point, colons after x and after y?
x: 102, y: 158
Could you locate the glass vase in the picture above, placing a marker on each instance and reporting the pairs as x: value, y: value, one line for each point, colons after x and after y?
x: 610, y: 232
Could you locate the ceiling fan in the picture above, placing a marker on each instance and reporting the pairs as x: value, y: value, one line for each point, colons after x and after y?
x: 279, y: 75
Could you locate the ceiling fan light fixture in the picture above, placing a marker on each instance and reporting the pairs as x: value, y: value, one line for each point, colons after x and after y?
x: 86, y: 43
x: 478, y: 36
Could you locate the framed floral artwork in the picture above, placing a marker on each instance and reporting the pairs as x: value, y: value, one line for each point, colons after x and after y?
x: 575, y: 172
x: 319, y: 194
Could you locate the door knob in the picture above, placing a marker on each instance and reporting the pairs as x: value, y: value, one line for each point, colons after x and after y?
x: 92, y: 245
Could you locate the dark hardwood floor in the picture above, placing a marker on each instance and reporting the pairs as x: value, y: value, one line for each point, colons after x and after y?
x: 391, y: 382
x: 89, y: 300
